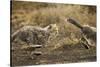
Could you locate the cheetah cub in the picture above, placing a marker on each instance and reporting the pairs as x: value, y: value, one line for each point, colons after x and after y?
x: 35, y: 34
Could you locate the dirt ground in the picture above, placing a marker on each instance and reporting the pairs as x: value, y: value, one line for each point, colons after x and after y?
x: 64, y: 54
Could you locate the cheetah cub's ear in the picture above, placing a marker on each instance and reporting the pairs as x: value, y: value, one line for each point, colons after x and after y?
x: 52, y: 26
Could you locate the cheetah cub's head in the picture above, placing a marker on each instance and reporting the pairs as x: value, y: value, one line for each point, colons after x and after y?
x: 52, y: 29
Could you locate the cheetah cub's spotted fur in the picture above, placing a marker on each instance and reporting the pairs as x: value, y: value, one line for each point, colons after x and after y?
x: 35, y: 34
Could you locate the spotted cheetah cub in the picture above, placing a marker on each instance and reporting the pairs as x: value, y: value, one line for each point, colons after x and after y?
x: 36, y: 34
